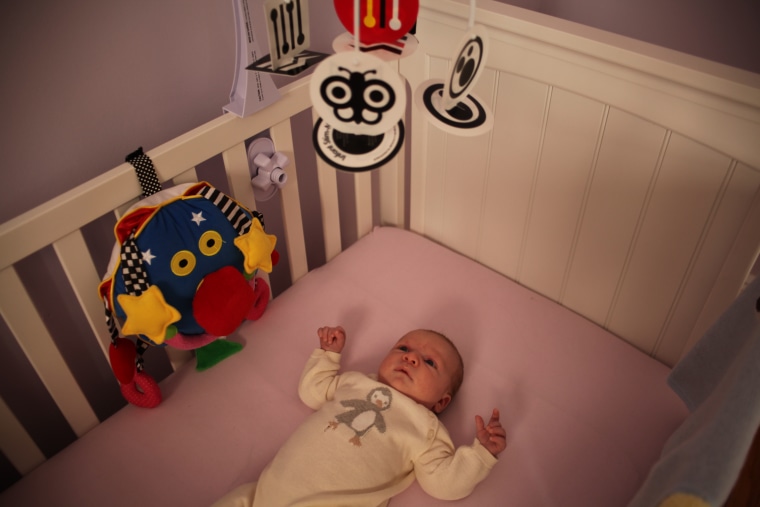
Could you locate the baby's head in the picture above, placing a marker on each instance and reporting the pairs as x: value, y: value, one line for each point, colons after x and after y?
x: 426, y: 366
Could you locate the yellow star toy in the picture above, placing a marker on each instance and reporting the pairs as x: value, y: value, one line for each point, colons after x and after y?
x: 148, y: 314
x: 257, y: 247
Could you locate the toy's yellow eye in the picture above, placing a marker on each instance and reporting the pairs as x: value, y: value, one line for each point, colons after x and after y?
x: 183, y: 263
x: 210, y: 243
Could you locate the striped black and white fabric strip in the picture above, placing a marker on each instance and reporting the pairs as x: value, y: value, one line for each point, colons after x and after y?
x: 234, y: 213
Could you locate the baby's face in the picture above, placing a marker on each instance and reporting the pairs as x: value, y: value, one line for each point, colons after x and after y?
x: 421, y: 365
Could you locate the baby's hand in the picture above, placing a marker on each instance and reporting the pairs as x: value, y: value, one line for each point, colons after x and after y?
x: 332, y: 339
x: 493, y: 437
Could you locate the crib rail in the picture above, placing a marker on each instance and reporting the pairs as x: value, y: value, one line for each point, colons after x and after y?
x: 58, y: 224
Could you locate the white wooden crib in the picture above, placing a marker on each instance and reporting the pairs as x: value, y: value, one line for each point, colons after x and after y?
x: 620, y: 180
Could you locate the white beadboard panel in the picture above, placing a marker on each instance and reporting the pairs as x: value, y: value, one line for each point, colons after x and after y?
x: 627, y: 161
x: 567, y: 155
x: 467, y: 163
x: 436, y: 156
x: 709, y: 102
x: 685, y: 192
x: 742, y: 256
x: 516, y: 138
x: 733, y: 207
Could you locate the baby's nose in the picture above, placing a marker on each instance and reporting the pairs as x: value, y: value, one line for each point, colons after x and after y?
x: 411, y: 358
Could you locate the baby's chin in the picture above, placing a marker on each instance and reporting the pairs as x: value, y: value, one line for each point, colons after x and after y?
x: 401, y: 386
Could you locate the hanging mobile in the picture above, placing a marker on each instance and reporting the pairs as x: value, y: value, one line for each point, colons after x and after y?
x: 385, y: 27
x: 449, y: 103
x: 360, y: 102
x: 288, y: 31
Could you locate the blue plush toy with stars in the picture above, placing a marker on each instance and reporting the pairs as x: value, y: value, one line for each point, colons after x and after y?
x: 183, y: 270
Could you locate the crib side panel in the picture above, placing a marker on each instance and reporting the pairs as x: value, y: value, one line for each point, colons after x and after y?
x: 725, y: 246
x: 679, y: 208
x: 629, y: 153
x: 608, y: 183
x: 57, y: 228
x: 570, y: 139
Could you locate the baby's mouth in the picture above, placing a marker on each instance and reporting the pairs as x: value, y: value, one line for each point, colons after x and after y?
x: 403, y: 370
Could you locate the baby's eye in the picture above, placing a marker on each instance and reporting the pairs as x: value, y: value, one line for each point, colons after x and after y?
x: 430, y: 362
x: 403, y: 348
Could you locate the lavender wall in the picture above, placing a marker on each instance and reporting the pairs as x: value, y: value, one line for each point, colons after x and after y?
x: 105, y: 78
x: 111, y: 76
x: 727, y: 31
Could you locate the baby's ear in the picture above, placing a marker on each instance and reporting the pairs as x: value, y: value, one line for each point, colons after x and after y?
x: 442, y: 403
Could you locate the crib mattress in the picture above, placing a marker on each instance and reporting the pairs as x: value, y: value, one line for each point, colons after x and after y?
x: 586, y: 414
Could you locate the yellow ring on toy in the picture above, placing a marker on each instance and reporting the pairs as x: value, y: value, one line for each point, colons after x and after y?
x: 210, y: 243
x: 183, y: 263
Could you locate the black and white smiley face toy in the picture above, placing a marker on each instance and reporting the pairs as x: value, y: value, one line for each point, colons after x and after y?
x: 449, y: 103
x: 360, y: 101
x: 358, y: 93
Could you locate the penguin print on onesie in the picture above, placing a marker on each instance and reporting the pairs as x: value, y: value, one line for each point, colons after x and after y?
x: 372, y: 435
x: 364, y: 414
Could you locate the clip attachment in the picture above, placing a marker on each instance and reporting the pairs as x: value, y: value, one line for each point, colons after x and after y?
x: 266, y: 168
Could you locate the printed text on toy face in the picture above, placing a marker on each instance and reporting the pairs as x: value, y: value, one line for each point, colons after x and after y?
x: 329, y: 146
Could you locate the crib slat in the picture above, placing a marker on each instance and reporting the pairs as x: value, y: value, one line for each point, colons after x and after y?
x: 71, y: 210
x: 83, y: 277
x: 363, y: 193
x: 122, y: 210
x: 392, y: 180
x: 238, y: 175
x: 189, y: 176
x: 328, y: 193
x: 26, y: 324
x: 16, y: 443
x: 178, y: 357
x: 327, y: 180
x: 282, y: 136
x: 392, y: 192
x: 415, y: 69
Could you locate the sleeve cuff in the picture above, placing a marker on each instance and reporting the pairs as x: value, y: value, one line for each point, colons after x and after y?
x: 484, y: 454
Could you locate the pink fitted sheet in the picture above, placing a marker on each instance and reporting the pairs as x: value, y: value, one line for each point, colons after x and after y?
x: 586, y: 414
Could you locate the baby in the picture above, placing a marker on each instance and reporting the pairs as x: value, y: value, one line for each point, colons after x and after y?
x: 372, y: 435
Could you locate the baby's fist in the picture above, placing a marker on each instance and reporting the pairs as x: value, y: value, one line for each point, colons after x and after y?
x: 492, y: 436
x: 332, y: 339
